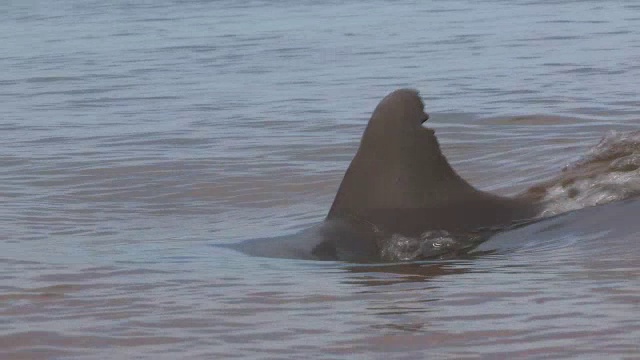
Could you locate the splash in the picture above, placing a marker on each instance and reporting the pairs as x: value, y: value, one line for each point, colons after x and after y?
x: 610, y: 171
x: 430, y: 244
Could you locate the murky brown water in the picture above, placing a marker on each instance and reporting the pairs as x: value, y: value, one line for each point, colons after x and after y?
x: 134, y: 138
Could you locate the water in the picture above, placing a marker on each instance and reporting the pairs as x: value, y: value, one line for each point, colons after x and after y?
x: 134, y: 137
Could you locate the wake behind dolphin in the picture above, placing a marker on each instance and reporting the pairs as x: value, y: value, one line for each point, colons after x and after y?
x: 400, y: 199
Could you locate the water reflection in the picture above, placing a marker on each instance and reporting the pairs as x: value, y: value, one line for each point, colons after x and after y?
x: 378, y: 274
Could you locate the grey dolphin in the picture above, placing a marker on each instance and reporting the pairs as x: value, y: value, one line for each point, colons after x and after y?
x: 399, y: 182
x: 400, y: 199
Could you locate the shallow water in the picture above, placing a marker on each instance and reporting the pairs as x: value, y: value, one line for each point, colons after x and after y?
x: 136, y: 137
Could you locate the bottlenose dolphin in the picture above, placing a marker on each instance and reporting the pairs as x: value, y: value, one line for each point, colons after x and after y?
x: 400, y: 199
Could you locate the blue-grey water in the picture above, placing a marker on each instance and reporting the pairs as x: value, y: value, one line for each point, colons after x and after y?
x: 137, y: 136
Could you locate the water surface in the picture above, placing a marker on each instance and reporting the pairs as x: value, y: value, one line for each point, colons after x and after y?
x: 134, y: 137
